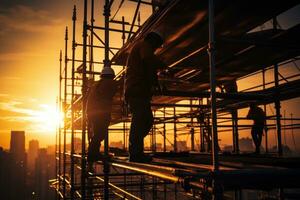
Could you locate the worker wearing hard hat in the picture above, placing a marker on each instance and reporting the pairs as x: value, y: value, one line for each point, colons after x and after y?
x: 99, y: 105
x: 141, y: 77
x: 259, y: 121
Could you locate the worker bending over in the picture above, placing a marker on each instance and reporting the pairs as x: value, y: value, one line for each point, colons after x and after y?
x: 141, y: 78
x: 99, y: 106
x: 259, y: 120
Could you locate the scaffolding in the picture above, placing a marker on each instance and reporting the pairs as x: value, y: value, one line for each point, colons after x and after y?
x: 191, y: 105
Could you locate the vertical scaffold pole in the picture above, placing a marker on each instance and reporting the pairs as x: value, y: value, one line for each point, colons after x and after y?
x: 92, y: 38
x: 59, y: 128
x: 124, y: 79
x: 134, y: 18
x: 154, y: 134
x: 211, y: 52
x: 72, y: 103
x: 123, y: 30
x: 175, y: 130
x: 84, y: 102
x: 106, y: 62
x: 56, y: 142
x: 265, y: 109
x: 65, y: 112
x: 192, y: 131
x: 164, y: 129
x: 235, y: 121
x: 217, y: 193
x: 277, y: 101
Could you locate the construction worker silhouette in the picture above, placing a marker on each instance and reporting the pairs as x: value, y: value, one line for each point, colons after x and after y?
x: 259, y: 120
x: 99, y: 106
x: 141, y: 78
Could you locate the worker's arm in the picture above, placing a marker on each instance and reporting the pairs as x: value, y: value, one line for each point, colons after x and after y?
x: 265, y: 118
x: 250, y: 114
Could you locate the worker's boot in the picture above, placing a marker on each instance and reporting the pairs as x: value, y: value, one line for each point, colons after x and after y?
x: 136, y: 152
x: 257, y: 150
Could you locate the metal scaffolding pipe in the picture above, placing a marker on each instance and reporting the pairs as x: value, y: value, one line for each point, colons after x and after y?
x: 84, y: 102
x: 72, y: 102
x: 106, y: 61
x: 65, y: 116
x: 134, y: 18
x: 213, y: 99
x: 277, y: 101
x: 59, y: 128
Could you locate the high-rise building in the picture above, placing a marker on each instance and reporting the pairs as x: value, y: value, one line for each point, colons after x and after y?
x: 6, y: 183
x: 44, y: 171
x: 17, y: 145
x: 32, y: 154
x: 18, y: 168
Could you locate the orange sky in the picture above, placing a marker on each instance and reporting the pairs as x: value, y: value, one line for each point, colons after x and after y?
x: 31, y: 35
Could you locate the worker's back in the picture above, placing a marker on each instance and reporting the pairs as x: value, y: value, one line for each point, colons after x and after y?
x: 257, y: 115
x: 141, y: 72
x: 100, y: 96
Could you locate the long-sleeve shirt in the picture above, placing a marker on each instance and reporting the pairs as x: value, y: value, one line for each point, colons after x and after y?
x: 141, y: 73
x: 257, y: 115
x: 100, y: 97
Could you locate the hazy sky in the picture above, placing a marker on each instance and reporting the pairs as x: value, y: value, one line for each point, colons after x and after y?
x: 31, y: 35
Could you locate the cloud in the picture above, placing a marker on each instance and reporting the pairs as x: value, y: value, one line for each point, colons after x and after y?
x: 36, y: 117
x: 27, y: 19
x: 20, y: 56
x: 18, y: 107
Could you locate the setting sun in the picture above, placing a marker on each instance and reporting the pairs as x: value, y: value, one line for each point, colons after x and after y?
x: 47, y: 119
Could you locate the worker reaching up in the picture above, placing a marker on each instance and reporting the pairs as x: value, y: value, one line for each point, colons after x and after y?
x: 141, y: 78
x: 99, y: 106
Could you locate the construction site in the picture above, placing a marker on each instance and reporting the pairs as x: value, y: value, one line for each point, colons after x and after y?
x: 208, y: 44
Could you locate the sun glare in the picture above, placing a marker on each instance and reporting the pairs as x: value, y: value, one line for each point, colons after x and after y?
x: 47, y: 119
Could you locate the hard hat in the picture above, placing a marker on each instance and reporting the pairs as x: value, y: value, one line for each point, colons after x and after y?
x: 107, y: 71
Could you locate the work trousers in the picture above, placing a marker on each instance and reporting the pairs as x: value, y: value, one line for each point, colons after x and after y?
x: 141, y: 124
x: 257, y: 132
x: 98, y: 128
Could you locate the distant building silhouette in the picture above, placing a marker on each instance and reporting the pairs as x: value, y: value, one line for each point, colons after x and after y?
x: 44, y: 171
x: 77, y: 146
x: 6, y: 171
x: 246, y: 144
x: 32, y: 154
x: 18, y: 165
x: 17, y: 145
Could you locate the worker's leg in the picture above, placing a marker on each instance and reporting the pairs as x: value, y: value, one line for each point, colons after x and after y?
x: 255, y: 138
x: 260, y: 130
x: 99, y: 125
x: 141, y: 124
